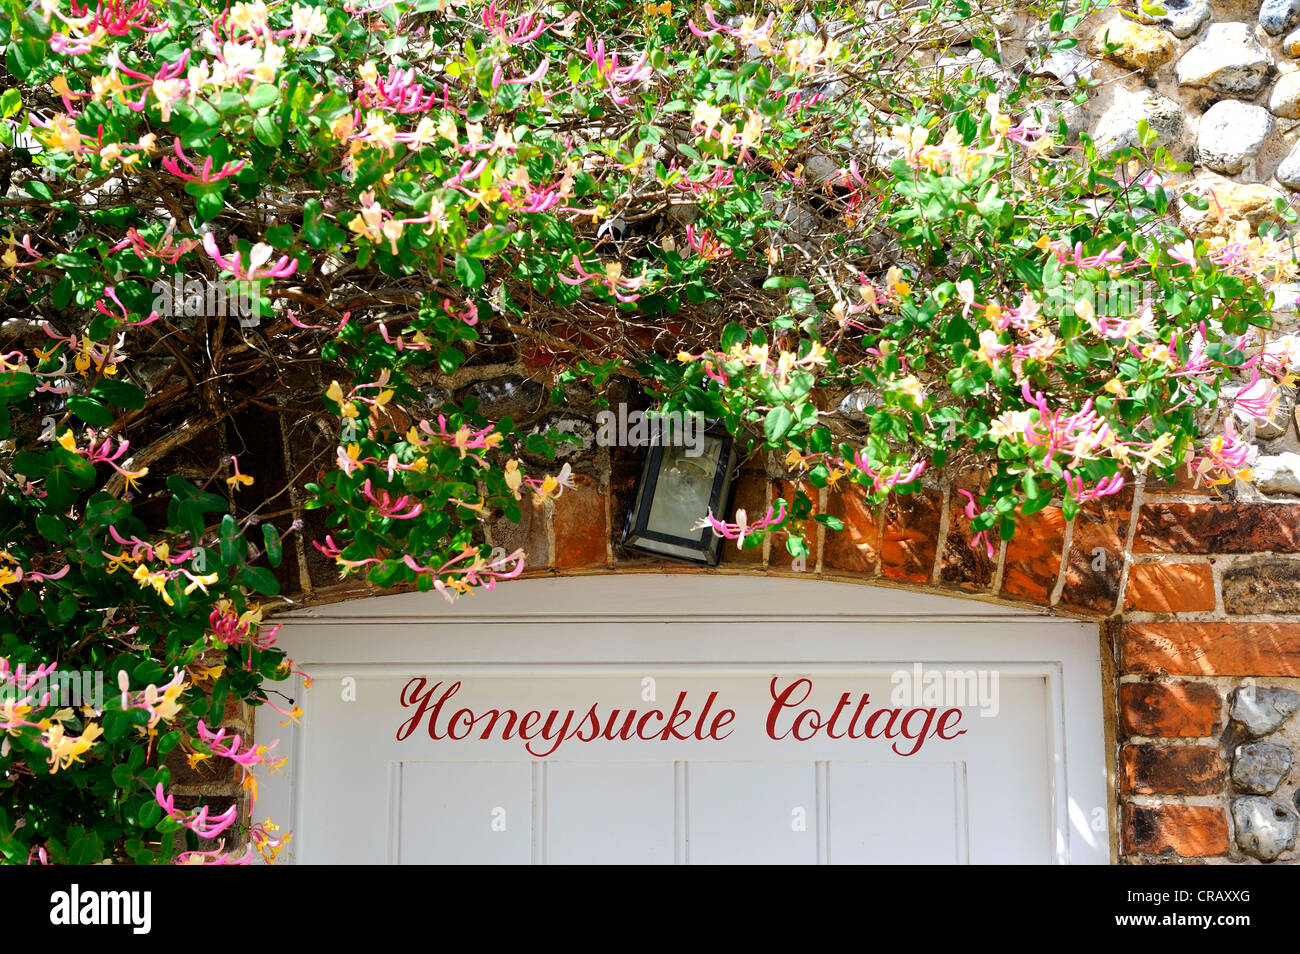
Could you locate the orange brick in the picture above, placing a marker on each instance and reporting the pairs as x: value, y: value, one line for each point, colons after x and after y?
x: 1170, y: 588
x: 1169, y: 709
x: 1033, y: 557
x: 1218, y: 528
x: 962, y: 565
x: 1190, y: 831
x: 911, y: 536
x: 787, y: 490
x: 581, y: 530
x: 1183, y: 483
x: 751, y: 497
x: 529, y: 534
x: 1213, y: 649
x: 1172, y: 770
x: 856, y: 548
x: 1096, y: 558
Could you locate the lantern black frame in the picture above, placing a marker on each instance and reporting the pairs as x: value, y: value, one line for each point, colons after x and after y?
x: 707, y: 547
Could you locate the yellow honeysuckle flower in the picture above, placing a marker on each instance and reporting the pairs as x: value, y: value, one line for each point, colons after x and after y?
x: 194, y: 758
x: 514, y: 476
x: 208, y: 673
x: 68, y: 442
x: 66, y: 749
x: 201, y: 583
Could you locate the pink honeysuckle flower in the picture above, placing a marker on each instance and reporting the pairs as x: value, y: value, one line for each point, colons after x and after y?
x: 468, y: 170
x: 463, y: 439
x: 400, y: 93
x: 984, y: 537
x: 386, y: 506
x: 293, y: 320
x: 216, y: 741
x: 608, y: 69
x: 165, y: 250
x: 469, y: 315
x: 705, y: 244
x: 499, y: 80
x: 202, y: 174
x: 335, y: 553
x: 1227, y: 455
x: 621, y: 288
x: 480, y: 572
x: 198, y: 822
x: 1260, y: 399
x: 749, y: 32
x: 743, y: 526
x: 797, y: 104
x: 166, y: 84
x: 1111, y: 259
x: 116, y: 17
x: 1023, y: 135
x: 122, y: 315
x: 1078, y: 436
x: 1078, y: 488
x: 525, y: 29
x: 21, y: 676
x: 882, y: 481
x: 722, y: 177
x: 233, y: 630
x: 530, y: 199
x: 57, y: 575
x: 9, y: 259
x: 258, y: 256
x: 400, y: 344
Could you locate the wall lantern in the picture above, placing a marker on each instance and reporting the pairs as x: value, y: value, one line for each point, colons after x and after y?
x: 680, y: 483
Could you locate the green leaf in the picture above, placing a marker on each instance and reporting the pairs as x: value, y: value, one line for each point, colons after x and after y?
x: 271, y: 543
x: 279, y: 236
x: 209, y: 206
x: 267, y: 132
x: 469, y: 272
x: 449, y: 359
x: 262, y: 96
x: 90, y: 411
x: 36, y: 188
x: 119, y: 394
x: 107, y: 512
x: 260, y: 579
x: 777, y: 423
x: 16, y: 384
x: 10, y: 102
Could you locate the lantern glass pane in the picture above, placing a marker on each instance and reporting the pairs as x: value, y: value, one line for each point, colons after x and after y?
x: 681, y: 495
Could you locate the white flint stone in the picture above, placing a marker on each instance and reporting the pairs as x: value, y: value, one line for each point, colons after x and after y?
x: 1284, y: 100
x: 1278, y: 473
x: 1232, y: 134
x: 1228, y: 60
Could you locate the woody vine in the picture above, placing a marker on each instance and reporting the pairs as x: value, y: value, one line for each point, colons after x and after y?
x: 744, y: 209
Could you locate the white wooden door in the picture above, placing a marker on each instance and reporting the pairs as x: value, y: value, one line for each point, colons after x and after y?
x: 808, y: 735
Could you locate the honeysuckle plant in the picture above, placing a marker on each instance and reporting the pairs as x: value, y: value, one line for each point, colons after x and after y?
x: 327, y: 211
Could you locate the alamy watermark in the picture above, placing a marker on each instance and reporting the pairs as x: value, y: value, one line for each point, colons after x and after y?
x: 949, y: 688
x: 63, y: 688
x: 633, y: 428
x: 1117, y: 298
x: 192, y: 297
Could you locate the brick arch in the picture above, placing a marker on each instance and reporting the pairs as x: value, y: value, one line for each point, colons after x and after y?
x: 1197, y: 597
